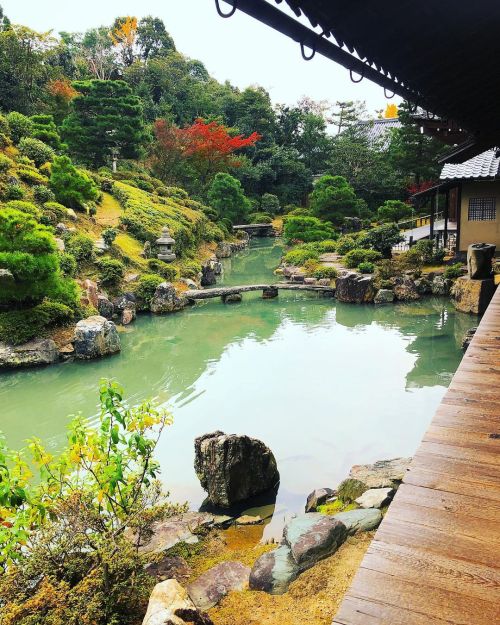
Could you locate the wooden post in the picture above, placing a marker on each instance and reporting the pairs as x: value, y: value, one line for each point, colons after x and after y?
x: 433, y: 212
x: 446, y: 214
x: 459, y: 217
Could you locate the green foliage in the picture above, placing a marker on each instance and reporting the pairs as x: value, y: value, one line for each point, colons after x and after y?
x: 111, y: 271
x: 43, y: 194
x: 65, y: 518
x: 307, y: 229
x: 428, y: 252
x: 20, y: 126
x: 260, y: 218
x: 326, y: 272
x: 270, y: 203
x: 383, y: 238
x: 109, y: 235
x: 14, y: 192
x: 393, y: 211
x: 68, y: 264
x: 57, y: 209
x: 81, y: 246
x: 20, y: 326
x: 337, y: 506
x: 45, y: 129
x: 349, y: 490
x: 453, y: 271
x: 299, y: 212
x: 360, y: 255
x: 190, y: 269
x: 167, y: 271
x: 6, y: 163
x: 28, y: 251
x: 300, y: 255
x: 366, y: 267
x: 345, y: 244
x: 226, y: 196
x: 146, y: 288
x: 333, y: 199
x: 38, y: 151
x: 31, y: 176
x: 24, y: 207
x: 106, y: 118
x: 72, y: 186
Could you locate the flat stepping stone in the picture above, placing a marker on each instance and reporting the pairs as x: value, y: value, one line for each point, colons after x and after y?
x: 177, y: 529
x: 375, y: 497
x: 206, y: 591
x: 246, y: 519
x: 312, y: 537
x: 360, y: 520
x: 381, y: 474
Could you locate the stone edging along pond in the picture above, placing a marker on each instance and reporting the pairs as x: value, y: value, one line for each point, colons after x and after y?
x: 97, y: 336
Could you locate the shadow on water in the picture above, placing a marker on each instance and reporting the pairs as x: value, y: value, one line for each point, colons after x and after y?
x: 324, y: 384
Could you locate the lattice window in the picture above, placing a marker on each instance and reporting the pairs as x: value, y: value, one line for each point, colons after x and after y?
x: 482, y: 209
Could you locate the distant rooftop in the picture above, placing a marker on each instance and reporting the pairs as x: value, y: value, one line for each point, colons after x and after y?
x: 484, y: 165
x: 376, y: 130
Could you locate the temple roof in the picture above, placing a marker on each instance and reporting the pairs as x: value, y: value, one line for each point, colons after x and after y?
x: 479, y: 167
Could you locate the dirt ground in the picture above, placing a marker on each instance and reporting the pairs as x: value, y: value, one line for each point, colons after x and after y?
x: 313, y: 598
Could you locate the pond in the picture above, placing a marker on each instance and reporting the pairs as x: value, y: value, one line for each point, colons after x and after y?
x: 324, y: 384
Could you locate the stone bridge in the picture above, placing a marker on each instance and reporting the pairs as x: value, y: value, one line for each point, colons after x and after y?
x: 256, y: 230
x: 269, y: 291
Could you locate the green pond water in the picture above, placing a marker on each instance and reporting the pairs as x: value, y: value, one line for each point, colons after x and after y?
x: 324, y: 384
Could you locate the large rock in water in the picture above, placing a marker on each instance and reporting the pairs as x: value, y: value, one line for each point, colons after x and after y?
x: 170, y: 604
x: 206, y: 591
x: 355, y: 288
x: 472, y: 296
x: 233, y: 468
x: 96, y: 337
x: 166, y: 299
x: 405, y: 289
x: 381, y: 474
x: 30, y: 354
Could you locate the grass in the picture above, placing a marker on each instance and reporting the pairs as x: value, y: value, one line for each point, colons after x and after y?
x: 131, y: 248
x: 108, y: 212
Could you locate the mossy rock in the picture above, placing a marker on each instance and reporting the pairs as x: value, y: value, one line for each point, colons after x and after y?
x: 349, y: 490
x: 337, y: 506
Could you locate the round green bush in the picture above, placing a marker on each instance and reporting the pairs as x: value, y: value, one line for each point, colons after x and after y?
x: 36, y: 150
x: 109, y: 235
x: 300, y: 255
x: 353, y: 258
x: 31, y: 177
x: 326, y: 272
x: 68, y: 264
x: 14, y: 192
x: 5, y: 163
x: 366, y: 267
x: 327, y: 246
x: 190, y: 269
x: 19, y: 326
x: 260, y: 218
x: 453, y: 271
x: 146, y: 288
x: 19, y: 126
x: 43, y: 194
x: 168, y: 272
x: 25, y: 207
x: 345, y: 244
x: 111, y: 270
x: 81, y: 246
x: 58, y: 209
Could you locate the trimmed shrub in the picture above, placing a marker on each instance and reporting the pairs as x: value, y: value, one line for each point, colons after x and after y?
x: 19, y: 125
x: 366, y: 267
x: 146, y: 288
x: 20, y: 326
x: 31, y: 176
x: 14, y: 192
x: 353, y: 258
x: 260, y: 218
x: 428, y: 252
x: 307, y: 229
x: 58, y: 209
x: 111, y: 270
x: 453, y: 271
x: 24, y: 207
x: 36, y: 150
x: 109, y: 235
x: 382, y: 239
x: 68, y: 264
x: 326, y: 246
x: 5, y: 163
x: 270, y: 203
x: 72, y: 186
x: 190, y: 269
x: 43, y: 194
x: 326, y: 272
x: 300, y: 255
x: 345, y: 244
x: 81, y: 246
x: 168, y: 272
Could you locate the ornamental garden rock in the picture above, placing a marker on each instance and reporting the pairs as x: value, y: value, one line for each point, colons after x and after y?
x: 355, y: 289
x: 96, y: 337
x: 33, y: 353
x: 208, y: 589
x: 166, y: 299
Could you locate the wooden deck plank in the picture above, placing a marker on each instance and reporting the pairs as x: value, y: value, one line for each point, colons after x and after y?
x: 434, y: 558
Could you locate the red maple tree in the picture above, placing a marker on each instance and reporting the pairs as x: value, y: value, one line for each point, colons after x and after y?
x: 207, y: 146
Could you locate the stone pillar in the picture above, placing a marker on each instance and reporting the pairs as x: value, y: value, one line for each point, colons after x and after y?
x: 473, y: 296
x: 270, y: 292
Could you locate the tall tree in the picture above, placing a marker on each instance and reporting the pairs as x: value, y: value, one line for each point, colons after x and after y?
x: 124, y: 37
x: 333, y: 199
x: 226, y: 196
x: 106, y: 122
x: 97, y: 52
x: 153, y: 38
x: 346, y: 113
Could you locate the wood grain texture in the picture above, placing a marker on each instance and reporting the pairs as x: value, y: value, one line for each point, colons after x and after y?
x: 435, y: 558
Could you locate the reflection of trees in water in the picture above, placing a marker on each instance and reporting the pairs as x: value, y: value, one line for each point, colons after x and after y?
x: 253, y: 265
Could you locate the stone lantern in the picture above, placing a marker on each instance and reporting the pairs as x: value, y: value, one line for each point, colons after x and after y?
x: 165, y: 246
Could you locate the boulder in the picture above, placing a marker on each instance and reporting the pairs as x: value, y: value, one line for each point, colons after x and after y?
x: 359, y: 520
x: 166, y: 299
x: 105, y: 307
x: 67, y: 351
x: 71, y: 214
x: 298, y: 277
x: 169, y: 567
x: 384, y: 296
x: 123, y: 301
x: 469, y: 335
x: 95, y: 337
x: 129, y: 314
x: 440, y: 285
x: 355, y: 288
x: 274, y: 571
x: 381, y: 474
x: 318, y: 497
x: 324, y: 282
x: 310, y: 281
x: 208, y: 275
x: 233, y: 468
x: 405, y: 289
x: 232, y: 298
x: 247, y: 519
x: 89, y: 293
x: 223, y: 250
x: 6, y: 276
x: 270, y: 292
x: 191, y: 284
x: 472, y: 296
x: 131, y: 277
x: 375, y: 497
x: 312, y: 537
x: 169, y: 604
x: 60, y: 244
x: 33, y: 353
x: 424, y: 286
x: 206, y: 591
x: 174, y: 530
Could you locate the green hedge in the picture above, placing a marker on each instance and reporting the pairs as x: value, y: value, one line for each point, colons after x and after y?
x: 19, y: 326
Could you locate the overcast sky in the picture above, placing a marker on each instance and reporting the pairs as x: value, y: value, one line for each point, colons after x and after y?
x: 239, y: 49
